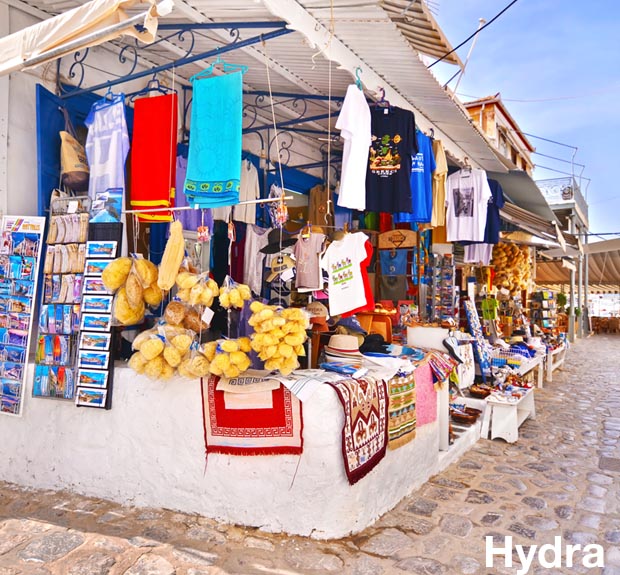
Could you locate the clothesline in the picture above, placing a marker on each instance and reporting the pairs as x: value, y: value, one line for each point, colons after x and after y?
x: 196, y: 207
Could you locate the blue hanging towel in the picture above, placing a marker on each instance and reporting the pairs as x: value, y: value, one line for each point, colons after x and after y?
x: 214, y: 159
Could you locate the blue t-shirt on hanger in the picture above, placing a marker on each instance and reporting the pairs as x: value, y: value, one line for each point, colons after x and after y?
x: 422, y: 168
x: 393, y: 262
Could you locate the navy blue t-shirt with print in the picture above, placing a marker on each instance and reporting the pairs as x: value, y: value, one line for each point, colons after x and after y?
x: 493, y: 224
x: 393, y: 143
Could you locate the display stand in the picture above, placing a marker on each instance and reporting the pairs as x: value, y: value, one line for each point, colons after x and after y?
x: 504, y: 419
x: 555, y: 359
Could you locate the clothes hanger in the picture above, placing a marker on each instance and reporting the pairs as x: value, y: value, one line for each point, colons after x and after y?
x: 382, y: 102
x: 358, y: 80
x: 306, y: 231
x: 152, y: 86
x: 225, y: 66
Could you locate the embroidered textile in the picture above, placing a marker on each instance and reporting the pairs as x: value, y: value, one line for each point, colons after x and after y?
x: 402, y: 411
x: 365, y: 432
x: 273, y: 431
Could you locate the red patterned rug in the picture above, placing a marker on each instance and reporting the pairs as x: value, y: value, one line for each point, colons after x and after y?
x: 365, y: 431
x: 270, y: 431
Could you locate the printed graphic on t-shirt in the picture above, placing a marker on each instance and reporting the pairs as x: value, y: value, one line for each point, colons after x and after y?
x: 417, y: 163
x: 384, y: 155
x: 463, y: 202
x: 342, y: 272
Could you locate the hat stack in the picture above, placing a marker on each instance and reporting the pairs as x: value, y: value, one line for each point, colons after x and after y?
x: 343, y: 348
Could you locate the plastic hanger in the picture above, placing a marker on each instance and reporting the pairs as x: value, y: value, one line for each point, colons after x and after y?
x: 152, y: 86
x: 358, y: 80
x: 382, y: 102
x: 225, y: 66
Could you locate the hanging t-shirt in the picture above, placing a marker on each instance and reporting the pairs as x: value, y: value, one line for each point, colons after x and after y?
x: 422, y: 166
x: 467, y: 198
x: 393, y: 143
x: 491, y: 230
x: 354, y: 125
x: 364, y: 268
x: 256, y: 239
x: 440, y: 174
x: 307, y: 254
x: 393, y: 262
x: 342, y: 262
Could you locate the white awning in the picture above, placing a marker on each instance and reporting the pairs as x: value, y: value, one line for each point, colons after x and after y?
x: 88, y: 25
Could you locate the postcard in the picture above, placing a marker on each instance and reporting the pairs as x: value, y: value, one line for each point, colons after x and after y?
x: 93, y: 359
x: 91, y: 397
x: 94, y: 285
x: 97, y: 303
x: 101, y: 249
x: 95, y: 322
x: 95, y: 267
x: 92, y: 378
x: 100, y: 341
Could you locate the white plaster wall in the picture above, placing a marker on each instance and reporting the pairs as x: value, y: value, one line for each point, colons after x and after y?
x: 149, y: 451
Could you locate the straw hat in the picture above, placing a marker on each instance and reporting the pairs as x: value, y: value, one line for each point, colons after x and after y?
x: 341, y: 347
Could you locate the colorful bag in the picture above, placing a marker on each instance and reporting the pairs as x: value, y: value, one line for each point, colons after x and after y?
x: 74, y: 172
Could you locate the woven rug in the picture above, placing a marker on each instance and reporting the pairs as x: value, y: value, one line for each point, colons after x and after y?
x: 268, y: 431
x: 364, y: 434
x: 401, y: 410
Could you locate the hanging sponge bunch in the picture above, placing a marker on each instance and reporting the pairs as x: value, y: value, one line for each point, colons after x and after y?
x: 513, y: 265
x: 157, y: 356
x: 233, y: 294
x: 196, y: 289
x: 134, y: 280
x: 279, y: 335
x: 228, y: 357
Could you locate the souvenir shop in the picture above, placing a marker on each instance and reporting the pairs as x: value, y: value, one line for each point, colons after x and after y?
x: 192, y: 324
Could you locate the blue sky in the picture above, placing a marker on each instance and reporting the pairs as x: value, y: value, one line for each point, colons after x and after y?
x: 548, y: 49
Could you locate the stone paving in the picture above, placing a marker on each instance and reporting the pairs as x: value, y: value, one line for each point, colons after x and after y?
x: 560, y: 478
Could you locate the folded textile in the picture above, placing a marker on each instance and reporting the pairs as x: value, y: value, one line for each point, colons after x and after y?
x: 251, y: 381
x: 365, y: 431
x: 214, y: 160
x: 402, y: 410
x: 153, y: 156
x: 252, y: 431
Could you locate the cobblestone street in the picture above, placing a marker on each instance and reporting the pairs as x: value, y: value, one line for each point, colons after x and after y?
x: 560, y: 478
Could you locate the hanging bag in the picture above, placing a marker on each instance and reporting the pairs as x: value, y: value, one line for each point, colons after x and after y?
x: 74, y: 171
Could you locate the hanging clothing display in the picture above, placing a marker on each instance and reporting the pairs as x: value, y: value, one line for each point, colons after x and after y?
x: 214, y: 160
x: 249, y: 190
x: 467, y: 198
x: 440, y: 174
x: 342, y: 262
x: 422, y: 167
x: 393, y: 144
x: 491, y: 230
x: 393, y: 262
x: 107, y: 145
x: 191, y: 219
x: 307, y: 253
x: 354, y: 125
x: 256, y: 238
x: 153, y: 153
x: 478, y: 254
x: 364, y: 270
x: 393, y: 287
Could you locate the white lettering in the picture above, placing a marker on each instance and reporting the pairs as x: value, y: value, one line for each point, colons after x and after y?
x: 526, y: 560
x: 570, y: 551
x: 594, y: 556
x: 556, y: 548
x: 506, y: 551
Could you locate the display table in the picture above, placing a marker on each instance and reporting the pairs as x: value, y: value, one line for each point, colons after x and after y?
x: 504, y: 419
x: 555, y: 359
x: 536, y: 363
x: 149, y: 451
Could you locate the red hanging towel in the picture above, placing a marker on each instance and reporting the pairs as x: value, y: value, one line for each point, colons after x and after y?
x: 153, y: 156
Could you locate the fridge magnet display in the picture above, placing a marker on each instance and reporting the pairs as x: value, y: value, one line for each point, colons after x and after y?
x: 93, y: 359
x: 101, y: 249
x: 53, y: 381
x: 95, y: 267
x: 92, y: 378
x: 97, y: 303
x: 94, y: 285
x: 21, y: 240
x: 91, y: 397
x: 97, y: 341
x: 107, y: 206
x: 95, y: 322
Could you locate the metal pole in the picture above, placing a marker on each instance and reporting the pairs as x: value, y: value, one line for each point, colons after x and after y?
x: 580, y: 306
x: 481, y: 23
x: 571, y: 293
x: 587, y: 280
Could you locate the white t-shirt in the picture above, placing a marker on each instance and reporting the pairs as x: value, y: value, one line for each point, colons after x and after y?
x: 354, y: 125
x: 478, y: 254
x: 256, y: 238
x: 467, y: 200
x: 248, y: 190
x: 342, y: 262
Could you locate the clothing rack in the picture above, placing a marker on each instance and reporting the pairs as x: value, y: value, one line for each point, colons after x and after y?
x: 181, y: 208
